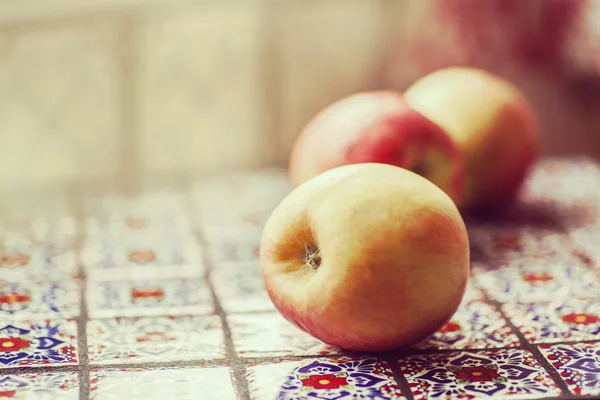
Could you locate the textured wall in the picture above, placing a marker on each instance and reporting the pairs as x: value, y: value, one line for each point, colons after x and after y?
x: 105, y: 89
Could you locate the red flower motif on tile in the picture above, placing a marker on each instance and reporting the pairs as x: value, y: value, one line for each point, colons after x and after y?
x: 14, y: 298
x: 327, y: 381
x: 14, y: 260
x: 142, y: 256
x: 147, y: 293
x: 154, y: 337
x: 580, y: 319
x: 8, y: 393
x: 537, y: 277
x: 12, y: 344
x: 450, y: 327
x: 476, y: 374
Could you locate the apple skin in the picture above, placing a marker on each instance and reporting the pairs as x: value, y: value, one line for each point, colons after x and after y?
x: 378, y: 127
x: 366, y: 257
x: 493, y: 124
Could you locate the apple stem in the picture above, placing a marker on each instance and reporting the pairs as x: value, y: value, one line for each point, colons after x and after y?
x: 313, y: 256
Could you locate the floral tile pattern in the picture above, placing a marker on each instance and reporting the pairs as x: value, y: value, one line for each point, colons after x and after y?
x: 148, y: 297
x: 500, y: 373
x: 235, y: 251
x: 174, y: 303
x: 162, y: 383
x: 539, y: 281
x: 42, y: 385
x: 323, y: 378
x: 578, y: 365
x: 146, y: 253
x: 136, y: 340
x: 34, y: 262
x: 476, y: 325
x: 38, y: 343
x: 276, y: 337
x: 510, y: 246
x: 27, y: 300
x: 241, y: 288
x: 563, y: 320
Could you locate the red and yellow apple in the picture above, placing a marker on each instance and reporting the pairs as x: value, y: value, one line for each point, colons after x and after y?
x: 366, y: 257
x: 492, y: 123
x: 377, y: 127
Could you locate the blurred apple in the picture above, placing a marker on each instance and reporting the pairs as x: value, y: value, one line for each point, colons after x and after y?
x: 377, y: 127
x: 492, y: 123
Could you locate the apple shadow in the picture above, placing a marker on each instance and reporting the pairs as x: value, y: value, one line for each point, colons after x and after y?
x: 539, y: 214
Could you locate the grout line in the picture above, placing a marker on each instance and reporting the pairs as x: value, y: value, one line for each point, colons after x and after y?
x: 162, y: 364
x: 560, y: 383
x: 237, y: 366
x: 399, y: 377
x: 567, y: 342
x: 41, y: 368
x: 77, y: 209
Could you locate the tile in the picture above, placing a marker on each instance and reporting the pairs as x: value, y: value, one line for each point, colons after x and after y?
x: 201, y: 74
x: 155, y: 339
x: 41, y: 385
x: 270, y: 335
x: 244, y: 196
x: 148, y: 297
x: 133, y: 230
x: 578, y: 365
x: 45, y: 300
x: 476, y: 325
x: 142, y: 273
x: 221, y: 237
x: 323, y: 378
x: 537, y: 281
x: 57, y: 91
x: 256, y: 189
x: 564, y: 179
x: 510, y: 246
x: 153, y: 214
x: 561, y: 320
x: 32, y: 262
x: 233, y: 251
x: 38, y: 343
x: 146, y: 254
x: 240, y: 288
x: 500, y: 373
x: 57, y: 231
x: 163, y: 383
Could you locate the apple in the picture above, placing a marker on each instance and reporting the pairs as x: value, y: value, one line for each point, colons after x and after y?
x: 377, y: 127
x: 491, y: 121
x: 366, y: 257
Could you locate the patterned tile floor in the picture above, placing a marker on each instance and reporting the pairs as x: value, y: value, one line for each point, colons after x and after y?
x: 160, y: 296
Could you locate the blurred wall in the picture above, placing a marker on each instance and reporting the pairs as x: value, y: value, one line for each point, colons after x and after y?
x: 107, y: 89
x: 123, y: 89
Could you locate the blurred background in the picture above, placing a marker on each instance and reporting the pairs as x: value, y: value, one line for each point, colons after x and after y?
x: 126, y: 90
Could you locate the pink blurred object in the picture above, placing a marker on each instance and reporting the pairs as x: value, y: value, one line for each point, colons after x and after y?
x: 549, y: 48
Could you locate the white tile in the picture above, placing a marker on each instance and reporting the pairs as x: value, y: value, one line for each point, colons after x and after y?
x: 40, y: 385
x: 270, y: 335
x: 164, y: 383
x: 155, y: 339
